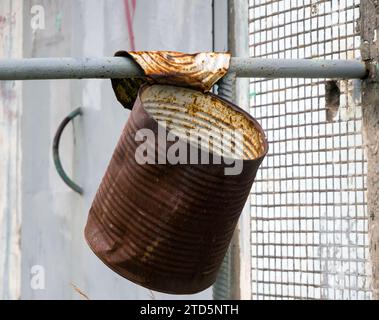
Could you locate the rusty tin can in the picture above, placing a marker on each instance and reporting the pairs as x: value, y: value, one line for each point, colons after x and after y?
x: 167, y: 226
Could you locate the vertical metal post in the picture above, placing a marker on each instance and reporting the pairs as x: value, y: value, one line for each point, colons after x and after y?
x: 370, y: 104
x: 222, y: 289
x: 228, y: 284
x: 222, y: 286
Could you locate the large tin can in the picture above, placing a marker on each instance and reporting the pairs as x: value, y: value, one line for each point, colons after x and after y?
x: 167, y: 226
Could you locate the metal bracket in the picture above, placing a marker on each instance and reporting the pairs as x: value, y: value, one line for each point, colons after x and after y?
x: 56, y: 157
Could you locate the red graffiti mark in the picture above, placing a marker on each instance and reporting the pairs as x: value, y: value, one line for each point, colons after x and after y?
x: 3, y: 21
x: 6, y: 22
x: 129, y: 20
x: 8, y: 19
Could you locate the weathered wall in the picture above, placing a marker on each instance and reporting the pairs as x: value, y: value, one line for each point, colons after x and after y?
x: 54, y: 216
x: 10, y: 153
x: 370, y: 99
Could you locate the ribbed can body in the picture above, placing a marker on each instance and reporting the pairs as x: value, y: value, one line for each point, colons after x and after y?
x: 165, y: 227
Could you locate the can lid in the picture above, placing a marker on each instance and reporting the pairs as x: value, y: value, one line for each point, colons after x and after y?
x: 198, y: 71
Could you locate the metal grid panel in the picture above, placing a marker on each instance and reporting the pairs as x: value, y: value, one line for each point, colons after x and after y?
x: 308, y: 211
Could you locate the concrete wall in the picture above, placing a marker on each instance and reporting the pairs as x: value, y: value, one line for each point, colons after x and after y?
x: 10, y: 153
x: 53, y: 216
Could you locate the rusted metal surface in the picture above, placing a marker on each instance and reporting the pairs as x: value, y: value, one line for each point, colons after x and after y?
x: 198, y: 70
x: 167, y: 227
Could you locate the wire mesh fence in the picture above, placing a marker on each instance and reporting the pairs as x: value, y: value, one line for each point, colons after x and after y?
x: 308, y: 212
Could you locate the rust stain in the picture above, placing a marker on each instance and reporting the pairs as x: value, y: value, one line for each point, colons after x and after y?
x: 204, y: 108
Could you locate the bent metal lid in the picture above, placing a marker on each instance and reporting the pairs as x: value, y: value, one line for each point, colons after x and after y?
x: 197, y: 70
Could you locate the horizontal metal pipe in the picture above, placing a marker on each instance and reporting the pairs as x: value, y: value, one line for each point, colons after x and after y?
x: 298, y: 68
x: 120, y: 67
x: 68, y: 68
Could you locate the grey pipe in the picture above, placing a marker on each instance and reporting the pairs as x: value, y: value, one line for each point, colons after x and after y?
x: 298, y: 68
x: 119, y: 67
x: 68, y: 68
